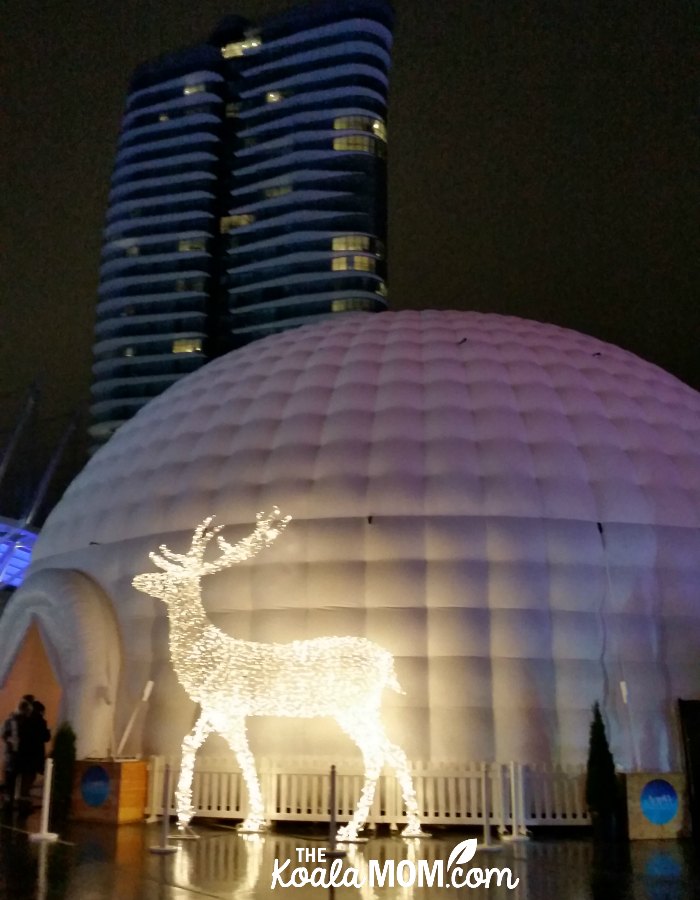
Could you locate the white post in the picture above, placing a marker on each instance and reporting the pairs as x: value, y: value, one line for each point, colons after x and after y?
x: 517, y: 810
x: 164, y: 846
x: 44, y: 834
x: 501, y: 800
x: 153, y: 770
x: 485, y: 801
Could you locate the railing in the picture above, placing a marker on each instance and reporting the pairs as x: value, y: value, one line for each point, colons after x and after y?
x: 448, y: 794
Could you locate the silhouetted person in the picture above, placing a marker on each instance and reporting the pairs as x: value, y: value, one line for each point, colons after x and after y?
x: 33, y: 750
x: 14, y: 733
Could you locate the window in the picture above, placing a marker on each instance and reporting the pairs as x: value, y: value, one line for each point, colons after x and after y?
x: 359, y: 263
x: 229, y: 222
x: 182, y: 285
x: 187, y: 345
x: 381, y: 289
x: 163, y: 117
x: 132, y: 251
x: 274, y: 96
x: 363, y: 263
x: 351, y: 242
x: 379, y: 249
x: 128, y: 351
x: 232, y: 110
x: 361, y: 123
x: 278, y: 191
x: 193, y: 89
x: 355, y: 142
x: 238, y: 48
x: 379, y: 128
x: 350, y: 305
x: 188, y: 244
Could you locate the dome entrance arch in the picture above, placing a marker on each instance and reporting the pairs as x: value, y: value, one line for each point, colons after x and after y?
x: 80, y: 636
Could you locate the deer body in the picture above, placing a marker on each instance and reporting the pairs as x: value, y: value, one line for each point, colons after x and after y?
x: 231, y: 679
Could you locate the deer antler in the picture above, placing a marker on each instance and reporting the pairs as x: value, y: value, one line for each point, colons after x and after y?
x: 193, y: 559
x: 267, y: 529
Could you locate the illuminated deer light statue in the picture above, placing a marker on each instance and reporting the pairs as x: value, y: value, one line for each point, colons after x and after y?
x: 231, y: 679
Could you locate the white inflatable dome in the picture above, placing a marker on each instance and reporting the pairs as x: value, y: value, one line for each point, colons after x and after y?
x: 511, y: 508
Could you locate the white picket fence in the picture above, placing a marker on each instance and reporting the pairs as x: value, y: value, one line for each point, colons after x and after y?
x: 448, y: 794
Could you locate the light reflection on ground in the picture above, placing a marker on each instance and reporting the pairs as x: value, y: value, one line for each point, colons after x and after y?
x: 106, y: 862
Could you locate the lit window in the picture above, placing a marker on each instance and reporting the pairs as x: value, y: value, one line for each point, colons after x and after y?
x: 278, y: 191
x: 232, y: 110
x: 379, y: 128
x: 238, y: 48
x: 163, y: 117
x: 274, y: 96
x: 361, y: 123
x: 193, y: 89
x: 353, y: 123
x: 359, y: 263
x: 229, y: 222
x: 191, y: 244
x: 187, y: 345
x: 132, y: 251
x: 128, y: 351
x: 381, y: 289
x: 351, y: 242
x: 355, y: 304
x: 354, y: 142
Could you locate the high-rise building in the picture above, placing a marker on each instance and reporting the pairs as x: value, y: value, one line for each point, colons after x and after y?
x: 248, y: 196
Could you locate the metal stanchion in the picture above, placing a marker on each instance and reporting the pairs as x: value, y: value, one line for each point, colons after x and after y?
x: 44, y: 834
x: 485, y: 805
x: 333, y: 852
x: 164, y: 846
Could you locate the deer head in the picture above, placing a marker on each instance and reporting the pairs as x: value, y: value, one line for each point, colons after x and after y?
x: 181, y: 568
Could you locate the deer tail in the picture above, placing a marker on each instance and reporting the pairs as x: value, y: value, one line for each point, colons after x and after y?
x: 392, y: 680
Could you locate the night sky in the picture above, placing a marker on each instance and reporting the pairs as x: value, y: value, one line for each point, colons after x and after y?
x: 542, y: 163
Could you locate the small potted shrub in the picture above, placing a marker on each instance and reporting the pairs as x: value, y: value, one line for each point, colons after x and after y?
x: 63, y: 769
x: 601, y: 782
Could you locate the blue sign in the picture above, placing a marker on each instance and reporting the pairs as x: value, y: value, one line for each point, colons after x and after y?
x: 94, y: 786
x: 659, y: 801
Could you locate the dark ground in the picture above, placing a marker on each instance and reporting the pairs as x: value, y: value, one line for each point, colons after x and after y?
x: 93, y: 862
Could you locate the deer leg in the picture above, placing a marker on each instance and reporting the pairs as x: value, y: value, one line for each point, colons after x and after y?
x: 237, y: 740
x: 396, y: 758
x: 369, y: 737
x: 183, y: 794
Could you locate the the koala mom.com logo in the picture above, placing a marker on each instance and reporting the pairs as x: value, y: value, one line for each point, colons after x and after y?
x: 390, y: 873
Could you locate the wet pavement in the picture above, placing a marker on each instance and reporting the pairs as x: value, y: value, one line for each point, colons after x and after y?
x: 101, y: 862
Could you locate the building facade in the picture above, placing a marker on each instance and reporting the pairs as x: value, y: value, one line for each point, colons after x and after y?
x: 248, y: 196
